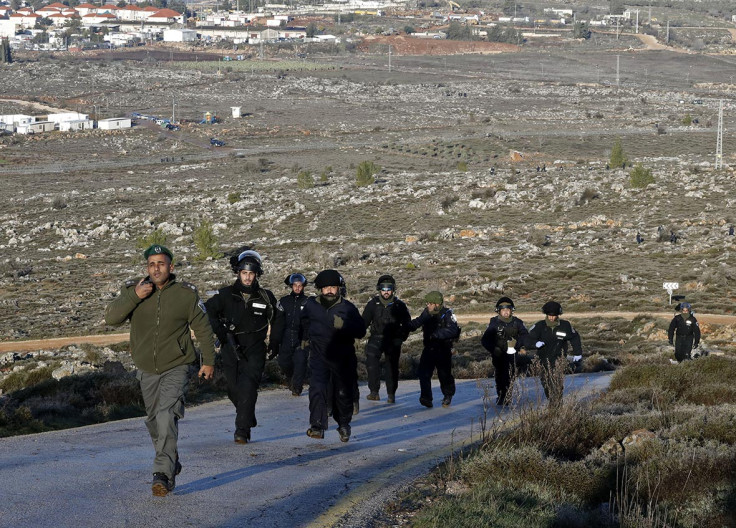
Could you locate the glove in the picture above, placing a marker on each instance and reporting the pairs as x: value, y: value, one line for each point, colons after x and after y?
x: 577, y: 358
x: 273, y: 351
x: 338, y: 322
x: 511, y: 350
x: 304, y: 344
x: 539, y: 344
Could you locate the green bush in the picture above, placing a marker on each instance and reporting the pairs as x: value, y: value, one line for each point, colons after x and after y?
x: 304, y: 180
x: 233, y: 197
x: 687, y: 120
x: 640, y: 177
x: 462, y: 166
x: 365, y: 173
x: 154, y: 237
x: 618, y: 157
x: 206, y: 242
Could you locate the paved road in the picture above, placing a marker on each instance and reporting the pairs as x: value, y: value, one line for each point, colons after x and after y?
x: 100, y: 475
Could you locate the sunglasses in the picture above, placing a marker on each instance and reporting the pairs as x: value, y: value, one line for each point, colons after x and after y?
x: 387, y: 288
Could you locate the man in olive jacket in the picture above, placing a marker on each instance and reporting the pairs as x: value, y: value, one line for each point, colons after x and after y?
x: 161, y: 312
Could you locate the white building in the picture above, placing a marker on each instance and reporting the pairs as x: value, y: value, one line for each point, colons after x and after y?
x: 114, y: 123
x: 9, y: 27
x: 66, y: 116
x: 16, y: 120
x: 76, y: 125
x: 180, y: 35
x: 37, y: 127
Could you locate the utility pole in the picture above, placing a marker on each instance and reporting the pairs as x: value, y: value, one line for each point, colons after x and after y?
x: 719, y: 138
x: 667, y: 38
x: 173, y: 109
x: 618, y: 63
x: 389, y: 57
x: 637, y: 21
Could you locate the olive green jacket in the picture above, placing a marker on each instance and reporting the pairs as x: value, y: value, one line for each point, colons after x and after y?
x: 160, y: 337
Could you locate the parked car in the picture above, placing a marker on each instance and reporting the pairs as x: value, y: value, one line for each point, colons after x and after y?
x: 216, y: 142
x: 169, y: 126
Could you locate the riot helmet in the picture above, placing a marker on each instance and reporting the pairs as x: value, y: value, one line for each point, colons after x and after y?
x: 505, y: 302
x: 295, y: 277
x: 552, y: 308
x: 248, y: 260
x: 386, y: 282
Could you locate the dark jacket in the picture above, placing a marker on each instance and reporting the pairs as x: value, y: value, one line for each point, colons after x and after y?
x: 439, y: 331
x: 499, y: 333
x: 389, y: 322
x: 684, y: 328
x: 318, y: 327
x: 251, y: 314
x: 160, y: 324
x: 292, y: 305
x: 555, y: 340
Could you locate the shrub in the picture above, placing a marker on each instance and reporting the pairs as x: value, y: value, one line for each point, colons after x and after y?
x: 206, y: 242
x: 462, y: 166
x: 59, y: 203
x: 639, y: 177
x: 618, y: 157
x: 304, y: 180
x: 154, y: 237
x: 365, y: 173
x: 687, y: 120
x: 233, y: 197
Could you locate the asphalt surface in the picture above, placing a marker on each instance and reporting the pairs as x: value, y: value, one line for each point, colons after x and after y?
x: 100, y: 475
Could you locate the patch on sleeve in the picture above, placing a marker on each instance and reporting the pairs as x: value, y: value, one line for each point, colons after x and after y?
x: 130, y: 282
x: 202, y: 306
x: 452, y: 316
x: 279, y: 307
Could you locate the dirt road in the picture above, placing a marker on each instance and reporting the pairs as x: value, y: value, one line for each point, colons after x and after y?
x: 529, y: 317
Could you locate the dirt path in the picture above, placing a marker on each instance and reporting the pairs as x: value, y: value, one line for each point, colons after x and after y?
x: 37, y: 106
x: 529, y: 317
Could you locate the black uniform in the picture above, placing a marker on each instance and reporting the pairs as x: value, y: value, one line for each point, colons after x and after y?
x: 332, y: 359
x: 292, y: 357
x: 439, y: 332
x: 555, y: 346
x: 496, y: 340
x: 388, y: 321
x: 687, y: 331
x: 247, y: 318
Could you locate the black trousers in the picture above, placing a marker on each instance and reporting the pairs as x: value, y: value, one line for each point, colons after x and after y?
x: 553, y: 379
x: 374, y: 349
x: 504, y: 368
x: 243, y: 371
x: 441, y: 360
x: 332, y: 385
x: 683, y: 347
x: 293, y: 363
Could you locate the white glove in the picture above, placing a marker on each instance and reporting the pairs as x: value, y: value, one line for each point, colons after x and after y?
x: 511, y: 350
x: 577, y: 358
x: 539, y: 344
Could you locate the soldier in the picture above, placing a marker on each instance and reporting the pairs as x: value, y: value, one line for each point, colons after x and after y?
x: 551, y: 337
x: 331, y: 324
x: 687, y: 329
x: 440, y: 331
x: 388, y: 319
x: 161, y: 312
x: 292, y: 357
x: 503, y: 329
x: 241, y: 315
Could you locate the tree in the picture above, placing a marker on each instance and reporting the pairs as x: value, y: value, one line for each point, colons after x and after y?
x: 640, y: 177
x: 409, y: 30
x: 311, y: 30
x: 206, y: 242
x: 5, y: 55
x: 458, y: 31
x: 581, y: 30
x: 618, y: 157
x: 364, y: 175
x: 304, y: 180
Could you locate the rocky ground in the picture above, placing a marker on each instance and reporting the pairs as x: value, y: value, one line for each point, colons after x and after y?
x: 493, y: 181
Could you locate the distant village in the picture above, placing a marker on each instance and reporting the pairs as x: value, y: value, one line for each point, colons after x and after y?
x: 61, y: 27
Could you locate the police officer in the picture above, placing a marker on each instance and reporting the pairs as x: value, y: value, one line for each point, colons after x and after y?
x: 502, y: 329
x: 161, y: 311
x: 292, y: 357
x: 439, y: 330
x: 551, y: 337
x: 241, y: 315
x: 686, y: 328
x: 388, y: 319
x: 331, y: 324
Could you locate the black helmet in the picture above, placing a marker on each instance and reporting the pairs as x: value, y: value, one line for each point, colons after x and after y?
x: 295, y: 277
x: 328, y: 277
x: 505, y: 302
x: 248, y: 260
x: 385, y: 281
x: 552, y: 308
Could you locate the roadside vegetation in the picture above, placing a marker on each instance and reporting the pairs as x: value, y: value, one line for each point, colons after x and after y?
x: 657, y: 449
